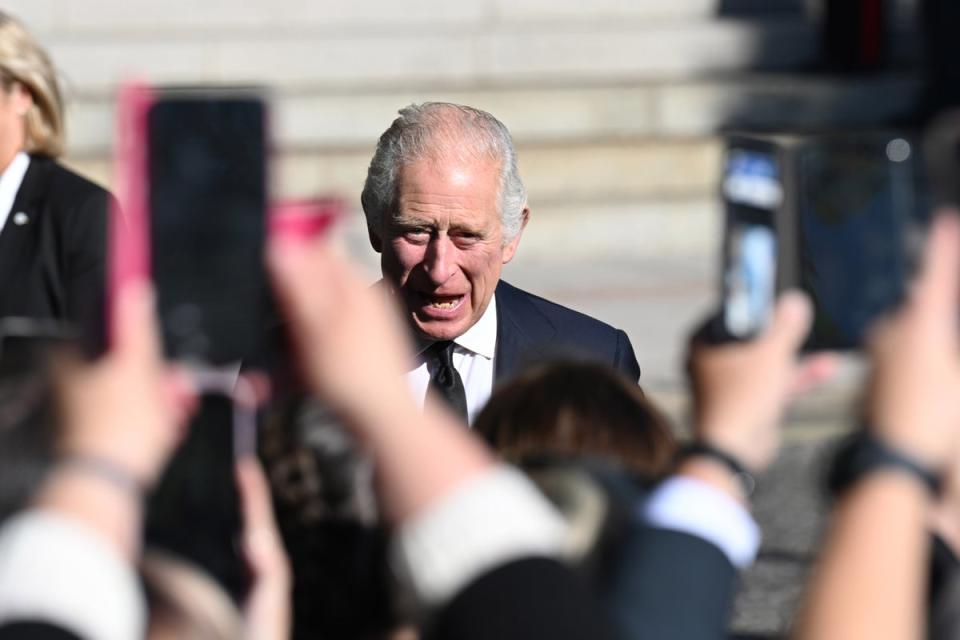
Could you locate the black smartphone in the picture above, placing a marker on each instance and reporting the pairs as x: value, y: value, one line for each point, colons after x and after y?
x: 860, y: 220
x: 194, y: 511
x: 206, y: 183
x: 753, y: 194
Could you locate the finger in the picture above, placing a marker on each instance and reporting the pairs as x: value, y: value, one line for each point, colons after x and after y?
x: 938, y: 289
x: 812, y: 372
x: 137, y: 334
x: 791, y: 321
x: 181, y: 395
x: 255, y: 505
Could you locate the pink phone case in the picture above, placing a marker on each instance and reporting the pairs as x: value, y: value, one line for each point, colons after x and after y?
x: 129, y: 246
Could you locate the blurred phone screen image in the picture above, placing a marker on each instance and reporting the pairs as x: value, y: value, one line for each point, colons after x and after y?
x: 752, y: 192
x: 750, y: 280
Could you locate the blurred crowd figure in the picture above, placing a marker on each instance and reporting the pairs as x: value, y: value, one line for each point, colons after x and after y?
x: 569, y: 509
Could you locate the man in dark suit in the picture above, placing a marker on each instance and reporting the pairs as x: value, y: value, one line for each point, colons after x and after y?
x: 445, y: 209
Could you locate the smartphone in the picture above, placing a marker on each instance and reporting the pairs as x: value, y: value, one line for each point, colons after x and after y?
x: 861, y: 216
x: 194, y: 511
x: 206, y: 195
x: 753, y: 194
x: 840, y: 216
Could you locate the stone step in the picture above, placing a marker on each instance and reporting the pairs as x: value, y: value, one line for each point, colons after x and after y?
x: 322, y: 119
x: 579, y: 220
x: 556, y: 173
x: 55, y: 17
x: 301, y: 56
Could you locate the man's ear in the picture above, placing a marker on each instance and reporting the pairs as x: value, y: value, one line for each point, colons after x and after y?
x: 510, y: 249
x: 375, y: 241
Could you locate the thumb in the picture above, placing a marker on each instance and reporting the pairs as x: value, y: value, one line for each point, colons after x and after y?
x: 791, y: 322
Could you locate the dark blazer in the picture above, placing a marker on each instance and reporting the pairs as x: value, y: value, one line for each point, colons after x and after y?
x: 530, y: 329
x: 53, y: 266
x: 668, y: 586
x: 526, y: 599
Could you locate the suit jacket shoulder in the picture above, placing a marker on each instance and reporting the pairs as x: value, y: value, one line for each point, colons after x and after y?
x: 46, y: 178
x: 530, y: 328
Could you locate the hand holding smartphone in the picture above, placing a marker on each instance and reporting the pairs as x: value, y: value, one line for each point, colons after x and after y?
x: 192, y: 190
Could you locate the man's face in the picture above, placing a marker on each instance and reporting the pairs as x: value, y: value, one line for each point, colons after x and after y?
x: 443, y: 250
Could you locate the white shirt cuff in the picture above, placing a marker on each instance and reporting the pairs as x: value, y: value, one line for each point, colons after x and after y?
x: 56, y: 570
x: 495, y: 518
x: 694, y: 507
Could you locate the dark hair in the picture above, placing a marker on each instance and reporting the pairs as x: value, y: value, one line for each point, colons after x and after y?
x: 569, y: 408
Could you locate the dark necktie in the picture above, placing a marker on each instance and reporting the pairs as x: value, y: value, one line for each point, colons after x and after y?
x: 445, y: 380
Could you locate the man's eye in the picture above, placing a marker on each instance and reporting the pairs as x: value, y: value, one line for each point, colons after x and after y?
x: 466, y: 238
x: 416, y: 234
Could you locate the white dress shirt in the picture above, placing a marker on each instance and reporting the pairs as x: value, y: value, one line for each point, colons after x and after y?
x: 694, y: 507
x: 10, y: 183
x: 472, y: 358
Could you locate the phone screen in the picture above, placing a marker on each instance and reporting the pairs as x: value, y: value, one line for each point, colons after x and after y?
x: 752, y: 192
x: 859, y: 222
x: 207, y: 196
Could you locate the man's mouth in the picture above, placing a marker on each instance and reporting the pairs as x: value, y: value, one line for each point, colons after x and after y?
x: 442, y: 303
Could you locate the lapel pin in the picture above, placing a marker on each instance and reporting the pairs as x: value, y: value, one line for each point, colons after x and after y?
x: 20, y: 218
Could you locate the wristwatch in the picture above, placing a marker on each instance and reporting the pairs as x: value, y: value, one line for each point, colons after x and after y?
x: 699, y: 448
x: 863, y: 453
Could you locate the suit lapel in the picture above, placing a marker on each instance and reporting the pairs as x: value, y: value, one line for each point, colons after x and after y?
x: 523, y: 332
x: 17, y: 241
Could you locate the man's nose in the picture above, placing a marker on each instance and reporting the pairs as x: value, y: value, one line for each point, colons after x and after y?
x: 438, y: 260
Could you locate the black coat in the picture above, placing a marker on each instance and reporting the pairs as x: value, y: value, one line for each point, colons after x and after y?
x: 53, y: 265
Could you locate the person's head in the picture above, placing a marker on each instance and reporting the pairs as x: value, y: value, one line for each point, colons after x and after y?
x: 185, y: 603
x: 31, y: 111
x: 578, y: 409
x: 445, y: 208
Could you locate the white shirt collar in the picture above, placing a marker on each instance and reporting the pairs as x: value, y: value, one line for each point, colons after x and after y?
x: 10, y: 183
x: 480, y: 339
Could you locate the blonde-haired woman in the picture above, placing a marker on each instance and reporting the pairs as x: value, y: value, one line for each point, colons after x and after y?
x: 52, y: 221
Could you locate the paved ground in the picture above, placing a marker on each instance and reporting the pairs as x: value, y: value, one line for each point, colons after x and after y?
x: 657, y: 301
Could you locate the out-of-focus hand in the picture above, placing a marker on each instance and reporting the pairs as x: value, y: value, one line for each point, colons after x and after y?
x: 266, y: 613
x: 349, y: 343
x: 127, y: 408
x: 913, y: 394
x: 741, y: 389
